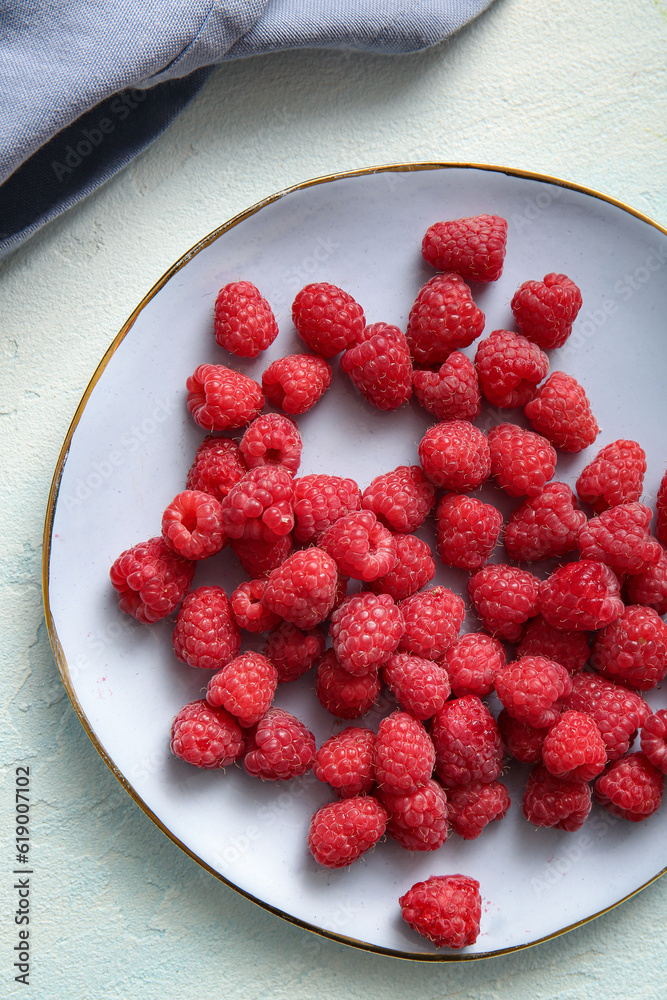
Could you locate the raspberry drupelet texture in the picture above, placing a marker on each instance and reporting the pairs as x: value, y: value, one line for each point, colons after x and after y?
x: 467, y: 742
x: 340, y: 692
x: 401, y: 499
x: 451, y: 393
x: 443, y: 319
x: 151, y: 580
x: 244, y: 687
x: 205, y: 633
x: 218, y: 465
x: 380, y: 366
x: 205, y: 736
x: 247, y: 607
x: 574, y: 748
x: 221, y: 399
x: 581, y: 596
x: 545, y: 310
x: 244, y: 320
x: 545, y: 525
x: 192, y: 525
x: 365, y: 630
x: 345, y: 762
x: 467, y: 530
x: 509, y: 368
x: 522, y: 741
x: 445, y: 909
x: 292, y: 650
x: 418, y: 819
x: 472, y: 807
x: 272, y: 439
x: 522, y: 462
x: 362, y: 547
x: 404, y: 754
x: 258, y: 557
x: 650, y: 587
x: 455, y: 455
x: 474, y: 247
x: 561, y: 411
x: 420, y: 686
x: 341, y: 832
x: 260, y: 506
x: 533, y: 689
x: 620, y: 538
x: 327, y: 318
x: 563, y: 803
x: 295, y: 383
x: 433, y: 619
x: 661, y: 511
x: 472, y: 663
x: 633, y: 649
x: 414, y: 568
x: 570, y: 649
x: 319, y: 500
x: 630, y: 788
x: 617, y: 712
x: 504, y: 597
x: 654, y: 739
x: 303, y: 588
x: 615, y: 476
x: 279, y: 748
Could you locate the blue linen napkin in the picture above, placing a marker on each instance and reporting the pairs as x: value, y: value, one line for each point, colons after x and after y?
x: 85, y: 85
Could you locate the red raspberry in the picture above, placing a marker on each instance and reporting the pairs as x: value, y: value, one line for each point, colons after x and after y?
x: 418, y: 819
x: 206, y: 634
x: 221, y: 399
x: 650, y: 587
x: 545, y: 525
x: 473, y: 247
x: 244, y: 687
x: 617, y: 712
x: 631, y: 788
x: 272, y: 439
x: 244, y: 321
x: 295, y: 383
x: 365, y: 630
x: 451, y: 393
x: 320, y: 500
x: 292, y: 650
x: 620, y: 538
x: 654, y: 739
x: 533, y: 688
x: 455, y: 455
x: 504, y: 597
x: 574, y: 748
x: 471, y: 807
x: 633, y: 649
x: 206, y: 737
x: 341, y: 832
x: 260, y: 506
x: 472, y: 663
x: 468, y: 530
x: 248, y: 609
x: 661, y: 511
x: 345, y: 762
x: 302, y: 589
x: 615, y: 476
x: 414, y: 568
x: 560, y: 410
x: 362, y: 547
x: 467, y: 742
x: 446, y: 909
x: 509, y: 368
x: 420, y: 686
x: 402, y: 499
x: 443, y: 319
x: 433, y: 619
x: 327, y: 318
x: 404, y: 754
x: 379, y: 365
x: 340, y: 692
x: 563, y: 803
x: 570, y: 649
x: 545, y: 310
x: 521, y: 461
x: 280, y: 748
x: 522, y: 741
x: 192, y: 525
x: 218, y: 465
x: 258, y: 557
x: 581, y: 596
x: 151, y: 580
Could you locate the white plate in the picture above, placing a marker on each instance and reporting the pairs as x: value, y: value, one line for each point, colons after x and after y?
x: 131, y: 444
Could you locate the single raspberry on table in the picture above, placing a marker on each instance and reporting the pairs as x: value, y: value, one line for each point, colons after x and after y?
x: 404, y: 754
x: 362, y: 547
x: 633, y: 649
x: 258, y: 557
x: 570, y: 649
x: 615, y: 476
x: 630, y: 788
x: 574, y: 748
x: 365, y: 630
x: 522, y: 741
x: 319, y: 500
x: 545, y: 525
x: 293, y: 651
x: 533, y: 689
x: 244, y: 687
x: 327, y: 318
x: 247, y: 607
x: 342, y: 831
x: 151, y: 580
x: 259, y: 507
x: 467, y: 530
x: 474, y: 247
x: 192, y: 525
x: 280, y: 747
x: 509, y: 368
x: 414, y: 568
x: 650, y: 587
x: 221, y: 399
x: 455, y: 455
x: 205, y: 736
x: 433, y: 619
x: 620, y: 538
x: 561, y: 411
x: 272, y: 439
x: 581, y: 596
x: 303, y: 588
x: 342, y: 693
x: 401, y: 499
x: 443, y: 319
x: 617, y: 712
x: 445, y: 909
x: 218, y: 465
x: 472, y: 807
x: 380, y: 366
x: 522, y: 461
x: 244, y: 320
x: 345, y: 762
x: 205, y: 632
x: 545, y: 310
x: 472, y: 663
x: 420, y: 686
x: 654, y: 739
x: 467, y: 742
x: 504, y: 597
x: 563, y: 803
x: 661, y: 511
x: 417, y: 819
x: 296, y: 382
x: 451, y: 393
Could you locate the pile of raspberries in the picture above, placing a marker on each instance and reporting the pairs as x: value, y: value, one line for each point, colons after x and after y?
x: 587, y: 640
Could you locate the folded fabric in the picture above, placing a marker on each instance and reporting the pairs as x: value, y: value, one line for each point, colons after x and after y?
x: 86, y: 85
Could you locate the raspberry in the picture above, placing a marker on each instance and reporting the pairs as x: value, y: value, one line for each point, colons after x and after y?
x: 443, y: 319
x: 467, y: 742
x: 473, y: 247
x: 574, y: 748
x: 346, y: 762
x: 418, y: 819
x: 260, y: 506
x: 650, y: 587
x: 472, y: 663
x: 326, y: 318
x: 379, y: 365
x: 248, y: 609
x: 192, y: 525
x: 362, y: 547
x: 420, y: 686
x: 544, y: 525
x: 433, y: 619
x: 446, y: 909
x: 521, y: 461
x: 295, y: 383
x: 244, y: 321
x: 272, y: 439
x: 471, y: 807
x: 280, y: 748
x: 206, y: 737
x: 341, y: 832
x: 455, y: 455
x: 504, y: 597
x: 661, y: 511
x: 533, y: 688
x: 151, y: 580
x: 218, y: 465
x: 341, y: 693
x: 560, y: 410
x: 244, y: 687
x: 631, y: 788
x: 302, y: 589
x: 545, y: 310
x: 365, y: 630
x: 320, y: 500
x: 292, y: 650
x: 617, y: 712
x: 414, y: 568
x: 563, y: 803
x: 615, y: 476
x: 402, y: 499
x: 509, y: 368
x: 205, y: 633
x: 654, y: 739
x: 633, y: 649
x: 467, y: 530
x: 570, y: 649
x: 221, y: 399
x: 404, y: 754
x: 581, y: 596
x: 522, y: 741
x: 620, y: 538
x: 258, y: 557
x: 451, y: 393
